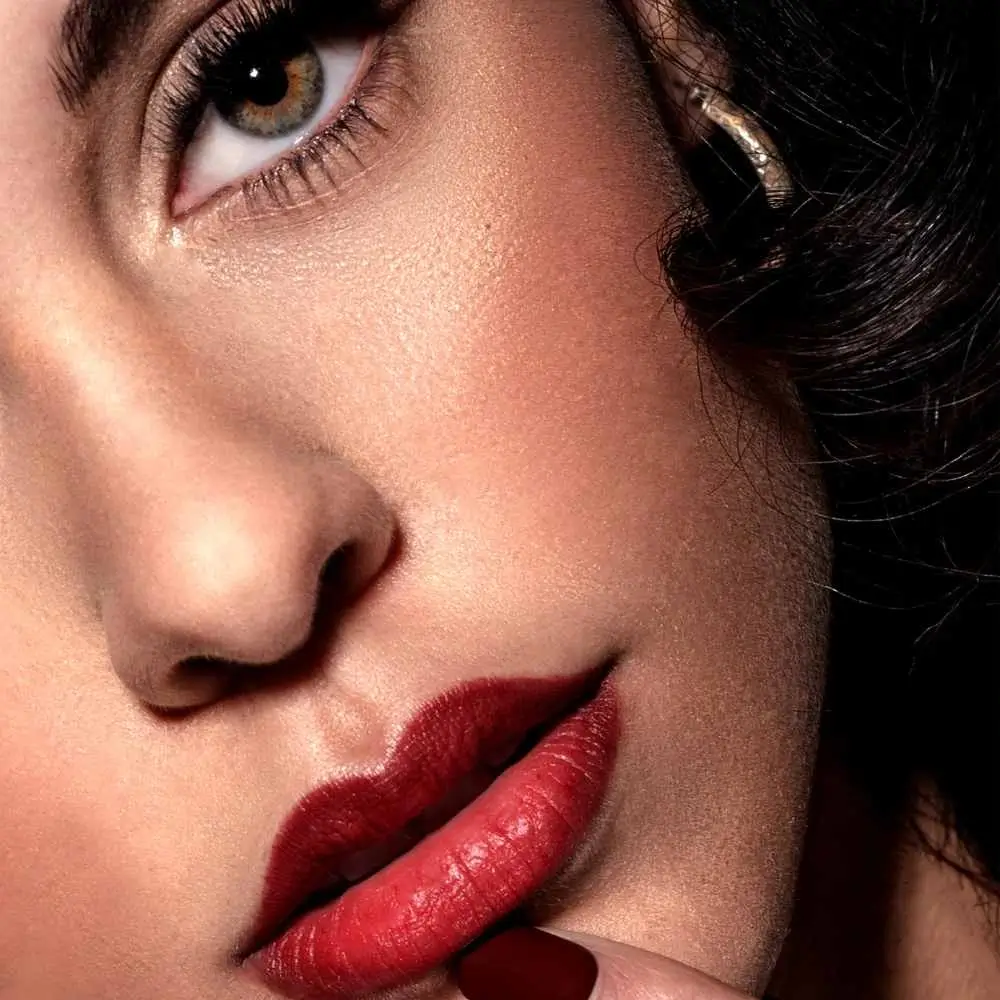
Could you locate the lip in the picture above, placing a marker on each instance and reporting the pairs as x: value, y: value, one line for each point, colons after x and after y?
x: 410, y: 917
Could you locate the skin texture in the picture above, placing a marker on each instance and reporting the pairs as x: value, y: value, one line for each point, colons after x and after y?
x: 879, y: 916
x: 460, y: 368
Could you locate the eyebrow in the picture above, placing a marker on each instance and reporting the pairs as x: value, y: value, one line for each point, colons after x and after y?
x: 93, y: 34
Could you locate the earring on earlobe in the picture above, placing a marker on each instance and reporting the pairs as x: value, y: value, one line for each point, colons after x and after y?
x: 751, y: 138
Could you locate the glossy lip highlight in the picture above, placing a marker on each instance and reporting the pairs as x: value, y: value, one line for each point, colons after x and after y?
x: 443, y: 892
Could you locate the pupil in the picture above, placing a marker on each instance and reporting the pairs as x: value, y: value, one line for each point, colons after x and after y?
x: 268, y: 88
x: 266, y: 84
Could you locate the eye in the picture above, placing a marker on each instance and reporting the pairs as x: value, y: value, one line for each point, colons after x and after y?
x: 278, y: 101
x: 268, y: 94
x: 272, y: 94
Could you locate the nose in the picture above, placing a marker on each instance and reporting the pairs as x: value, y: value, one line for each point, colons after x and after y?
x: 216, y: 547
x: 205, y: 529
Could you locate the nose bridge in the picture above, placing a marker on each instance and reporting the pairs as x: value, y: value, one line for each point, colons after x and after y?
x: 205, y: 530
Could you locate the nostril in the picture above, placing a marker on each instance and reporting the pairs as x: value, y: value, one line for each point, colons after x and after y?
x: 351, y: 570
x: 195, y: 681
x: 203, y: 679
x: 340, y: 582
x: 248, y: 597
x: 339, y: 562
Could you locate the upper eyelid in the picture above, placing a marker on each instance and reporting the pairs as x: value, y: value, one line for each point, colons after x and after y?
x: 178, y: 80
x: 176, y: 88
x: 338, y: 113
x: 93, y: 35
x: 384, y: 99
x: 265, y: 192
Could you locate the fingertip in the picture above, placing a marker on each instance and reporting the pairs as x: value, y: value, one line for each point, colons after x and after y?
x: 525, y: 963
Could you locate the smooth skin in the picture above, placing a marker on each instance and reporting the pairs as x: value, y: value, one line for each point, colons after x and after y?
x: 460, y: 371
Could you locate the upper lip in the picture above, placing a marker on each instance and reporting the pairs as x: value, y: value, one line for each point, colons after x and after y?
x: 488, y: 723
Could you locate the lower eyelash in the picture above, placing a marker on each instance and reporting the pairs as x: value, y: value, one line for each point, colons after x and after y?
x: 305, y: 171
x: 311, y: 170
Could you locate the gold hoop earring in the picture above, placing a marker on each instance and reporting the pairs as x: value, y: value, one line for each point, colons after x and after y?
x: 751, y: 138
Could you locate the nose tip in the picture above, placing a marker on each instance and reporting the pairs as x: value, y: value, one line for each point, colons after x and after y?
x: 228, y: 579
x: 201, y: 513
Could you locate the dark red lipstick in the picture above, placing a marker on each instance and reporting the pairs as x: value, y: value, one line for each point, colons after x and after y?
x: 377, y: 880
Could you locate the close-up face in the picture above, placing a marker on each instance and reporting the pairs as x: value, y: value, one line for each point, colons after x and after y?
x: 351, y: 443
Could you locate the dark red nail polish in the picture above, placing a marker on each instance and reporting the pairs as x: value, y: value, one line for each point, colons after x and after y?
x: 527, y: 964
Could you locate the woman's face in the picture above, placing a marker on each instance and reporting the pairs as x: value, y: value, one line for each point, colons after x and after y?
x: 417, y: 408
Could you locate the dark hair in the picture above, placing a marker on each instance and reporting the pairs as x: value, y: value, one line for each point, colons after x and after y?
x: 877, y: 289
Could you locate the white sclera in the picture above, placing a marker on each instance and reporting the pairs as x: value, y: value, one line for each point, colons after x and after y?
x: 221, y: 154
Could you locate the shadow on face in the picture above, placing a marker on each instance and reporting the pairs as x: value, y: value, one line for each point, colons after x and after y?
x: 337, y: 374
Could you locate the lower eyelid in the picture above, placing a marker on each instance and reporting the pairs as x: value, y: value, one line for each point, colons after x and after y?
x: 236, y: 155
x: 333, y: 151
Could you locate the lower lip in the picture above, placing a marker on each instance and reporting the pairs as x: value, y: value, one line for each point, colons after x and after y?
x: 420, y: 911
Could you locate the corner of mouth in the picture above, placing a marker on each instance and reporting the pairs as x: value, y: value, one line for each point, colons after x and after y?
x: 508, y: 719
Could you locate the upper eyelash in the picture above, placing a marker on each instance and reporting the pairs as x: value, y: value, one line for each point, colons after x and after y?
x: 271, y: 188
x: 186, y: 98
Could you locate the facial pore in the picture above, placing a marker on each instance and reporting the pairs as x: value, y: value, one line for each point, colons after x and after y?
x: 445, y: 354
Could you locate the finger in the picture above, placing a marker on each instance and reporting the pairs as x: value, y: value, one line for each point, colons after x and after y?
x: 529, y: 964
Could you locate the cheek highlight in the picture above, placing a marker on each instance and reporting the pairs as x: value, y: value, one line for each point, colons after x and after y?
x: 479, y: 329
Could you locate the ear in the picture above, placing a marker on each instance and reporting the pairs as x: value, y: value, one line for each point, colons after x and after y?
x: 685, y: 57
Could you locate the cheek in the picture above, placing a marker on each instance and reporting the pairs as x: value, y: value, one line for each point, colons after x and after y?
x: 105, y: 859
x: 518, y: 351
x: 496, y: 292
x: 508, y: 371
x: 65, y: 888
x: 102, y: 857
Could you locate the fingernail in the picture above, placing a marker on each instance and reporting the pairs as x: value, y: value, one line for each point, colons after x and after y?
x: 527, y: 964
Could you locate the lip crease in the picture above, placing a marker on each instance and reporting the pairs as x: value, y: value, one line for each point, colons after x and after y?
x: 485, y: 796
